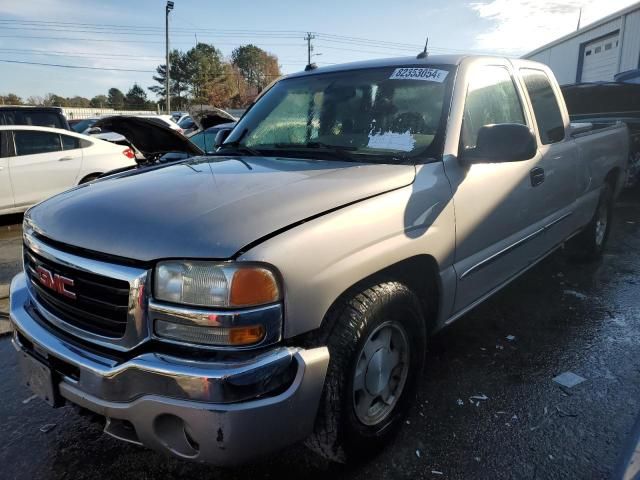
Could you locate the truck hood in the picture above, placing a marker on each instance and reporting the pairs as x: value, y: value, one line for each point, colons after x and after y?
x: 206, y: 207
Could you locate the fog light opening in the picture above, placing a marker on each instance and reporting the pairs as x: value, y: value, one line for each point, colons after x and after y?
x: 176, y: 436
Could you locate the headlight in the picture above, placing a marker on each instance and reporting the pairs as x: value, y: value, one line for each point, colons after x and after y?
x: 204, y: 291
x: 208, y: 284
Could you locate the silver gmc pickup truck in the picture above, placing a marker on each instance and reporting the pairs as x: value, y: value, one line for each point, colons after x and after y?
x: 284, y: 289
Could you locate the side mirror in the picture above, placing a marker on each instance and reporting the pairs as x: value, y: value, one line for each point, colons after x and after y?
x: 221, y: 136
x: 504, y: 142
x: 94, y: 130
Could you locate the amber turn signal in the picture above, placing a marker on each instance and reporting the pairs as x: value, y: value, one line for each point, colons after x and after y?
x: 253, y: 286
x: 246, y: 335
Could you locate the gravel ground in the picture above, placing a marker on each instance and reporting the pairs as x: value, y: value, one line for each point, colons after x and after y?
x: 559, y: 317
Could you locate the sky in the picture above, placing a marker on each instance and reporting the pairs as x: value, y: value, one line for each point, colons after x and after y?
x: 129, y: 35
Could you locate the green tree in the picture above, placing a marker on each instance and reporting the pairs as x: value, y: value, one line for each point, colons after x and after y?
x: 259, y: 68
x: 179, y: 80
x: 78, y: 101
x: 10, y: 99
x: 136, y: 97
x: 204, y: 67
x: 115, y: 98
x: 51, y: 99
x: 99, y: 101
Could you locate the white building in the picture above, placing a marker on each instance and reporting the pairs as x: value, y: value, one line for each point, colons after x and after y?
x: 597, y: 51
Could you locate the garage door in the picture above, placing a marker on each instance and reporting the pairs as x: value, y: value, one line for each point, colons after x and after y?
x: 600, y: 62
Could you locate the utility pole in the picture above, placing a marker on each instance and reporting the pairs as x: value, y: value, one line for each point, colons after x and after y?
x: 308, y: 38
x: 168, y: 64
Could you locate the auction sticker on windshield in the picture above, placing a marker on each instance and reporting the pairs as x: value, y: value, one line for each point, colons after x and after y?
x: 415, y: 73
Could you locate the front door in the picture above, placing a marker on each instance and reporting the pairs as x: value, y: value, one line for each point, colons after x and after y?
x: 496, y: 228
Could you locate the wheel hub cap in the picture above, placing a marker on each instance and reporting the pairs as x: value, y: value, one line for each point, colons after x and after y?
x: 381, y: 373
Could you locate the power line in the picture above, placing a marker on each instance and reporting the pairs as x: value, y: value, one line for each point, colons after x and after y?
x: 114, y: 68
x: 76, y: 66
x: 59, y: 53
x: 130, y: 41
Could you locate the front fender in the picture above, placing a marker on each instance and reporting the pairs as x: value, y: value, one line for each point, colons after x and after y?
x: 322, y: 258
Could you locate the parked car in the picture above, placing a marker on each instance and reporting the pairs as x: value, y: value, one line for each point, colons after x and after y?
x: 206, y: 139
x: 177, y: 116
x: 222, y: 307
x: 630, y: 76
x: 605, y: 103
x: 188, y: 125
x: 82, y: 125
x: 38, y: 162
x: 36, y: 116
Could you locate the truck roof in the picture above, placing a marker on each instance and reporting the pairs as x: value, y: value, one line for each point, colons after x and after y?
x: 404, y: 61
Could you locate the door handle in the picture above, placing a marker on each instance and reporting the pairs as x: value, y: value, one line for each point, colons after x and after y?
x: 65, y: 159
x: 537, y: 176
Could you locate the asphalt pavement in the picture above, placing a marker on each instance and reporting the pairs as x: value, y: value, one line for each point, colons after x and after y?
x: 487, y: 408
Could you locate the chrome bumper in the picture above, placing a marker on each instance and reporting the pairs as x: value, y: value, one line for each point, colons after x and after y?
x: 221, y: 412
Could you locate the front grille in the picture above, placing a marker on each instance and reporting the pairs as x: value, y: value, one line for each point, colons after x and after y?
x: 101, y: 304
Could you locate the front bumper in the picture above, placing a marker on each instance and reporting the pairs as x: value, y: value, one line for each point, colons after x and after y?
x: 223, y: 412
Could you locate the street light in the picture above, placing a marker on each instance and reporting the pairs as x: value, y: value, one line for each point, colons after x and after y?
x: 168, y: 65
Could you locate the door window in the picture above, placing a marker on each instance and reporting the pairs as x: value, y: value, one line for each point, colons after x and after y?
x: 545, y: 106
x: 70, y: 143
x: 32, y: 142
x: 492, y: 98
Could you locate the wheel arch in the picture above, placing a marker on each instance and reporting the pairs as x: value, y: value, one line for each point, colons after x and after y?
x: 420, y: 273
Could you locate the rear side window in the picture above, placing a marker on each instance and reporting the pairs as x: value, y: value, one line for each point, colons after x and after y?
x: 70, y: 143
x: 31, y: 143
x: 491, y: 99
x: 545, y: 106
x: 40, y: 119
x: 35, y: 118
x: 7, y: 118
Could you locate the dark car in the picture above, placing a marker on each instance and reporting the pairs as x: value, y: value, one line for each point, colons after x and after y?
x: 206, y: 139
x: 605, y: 103
x: 35, y: 116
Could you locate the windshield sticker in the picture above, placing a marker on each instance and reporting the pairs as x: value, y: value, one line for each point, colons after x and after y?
x: 427, y: 74
x: 403, y: 142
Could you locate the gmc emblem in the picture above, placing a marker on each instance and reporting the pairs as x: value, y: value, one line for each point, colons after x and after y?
x: 55, y: 282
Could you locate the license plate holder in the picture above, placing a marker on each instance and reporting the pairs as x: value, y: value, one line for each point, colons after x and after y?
x: 39, y: 378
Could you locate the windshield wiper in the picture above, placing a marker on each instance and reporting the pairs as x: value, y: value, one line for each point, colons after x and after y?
x: 336, y: 151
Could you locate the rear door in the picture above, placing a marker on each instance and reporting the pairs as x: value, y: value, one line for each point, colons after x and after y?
x: 40, y: 167
x: 6, y: 191
x: 557, y: 171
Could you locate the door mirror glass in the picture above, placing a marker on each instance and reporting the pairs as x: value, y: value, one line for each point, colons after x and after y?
x: 505, y: 142
x: 94, y: 131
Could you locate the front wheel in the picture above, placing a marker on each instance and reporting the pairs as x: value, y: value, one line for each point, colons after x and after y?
x: 590, y: 243
x: 377, y: 347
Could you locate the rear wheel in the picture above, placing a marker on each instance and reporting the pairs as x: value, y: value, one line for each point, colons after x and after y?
x: 591, y: 242
x: 377, y: 347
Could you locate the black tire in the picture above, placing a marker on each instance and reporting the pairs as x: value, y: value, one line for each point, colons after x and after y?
x: 589, y: 244
x: 89, y: 178
x: 339, y: 434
